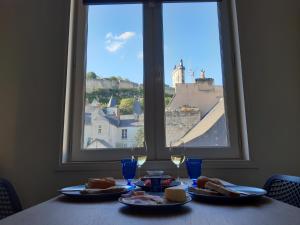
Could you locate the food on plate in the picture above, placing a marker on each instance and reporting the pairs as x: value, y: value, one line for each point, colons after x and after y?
x: 147, y: 183
x: 137, y: 193
x: 221, y: 189
x: 213, y: 187
x: 203, y: 191
x: 202, y: 180
x: 100, y: 183
x: 141, y: 198
x: 175, y: 194
x: 114, y: 189
x: 164, y: 182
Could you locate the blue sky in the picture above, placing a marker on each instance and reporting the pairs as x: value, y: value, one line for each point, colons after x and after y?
x: 115, y: 40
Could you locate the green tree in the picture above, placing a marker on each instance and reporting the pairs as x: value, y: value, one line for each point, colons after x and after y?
x: 126, y: 105
x: 91, y: 76
x: 113, y: 78
x: 139, y: 137
x: 167, y: 100
x: 142, y: 103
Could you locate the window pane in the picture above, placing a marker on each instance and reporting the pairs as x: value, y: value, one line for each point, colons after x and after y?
x: 194, y: 101
x: 114, y: 116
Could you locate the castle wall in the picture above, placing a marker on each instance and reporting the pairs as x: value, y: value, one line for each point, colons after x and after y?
x: 94, y: 85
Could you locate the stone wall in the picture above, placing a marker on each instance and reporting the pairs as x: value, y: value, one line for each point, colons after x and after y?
x: 96, y: 84
x: 215, y: 136
x: 178, y: 123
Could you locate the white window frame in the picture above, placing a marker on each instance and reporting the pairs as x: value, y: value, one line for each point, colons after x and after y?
x: 153, y: 89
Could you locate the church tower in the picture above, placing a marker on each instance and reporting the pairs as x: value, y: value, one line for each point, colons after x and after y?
x: 178, y: 74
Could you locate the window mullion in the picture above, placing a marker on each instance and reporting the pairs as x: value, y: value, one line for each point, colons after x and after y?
x: 153, y: 78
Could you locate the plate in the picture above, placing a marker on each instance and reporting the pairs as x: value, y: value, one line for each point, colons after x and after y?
x: 74, y: 192
x: 249, y: 193
x: 166, y: 205
x: 141, y: 184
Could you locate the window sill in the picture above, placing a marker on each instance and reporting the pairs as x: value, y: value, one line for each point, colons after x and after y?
x: 150, y: 165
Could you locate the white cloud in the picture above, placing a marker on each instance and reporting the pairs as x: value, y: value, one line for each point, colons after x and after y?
x: 114, y: 46
x: 115, y: 42
x: 140, y: 55
x: 109, y: 35
x: 125, y: 36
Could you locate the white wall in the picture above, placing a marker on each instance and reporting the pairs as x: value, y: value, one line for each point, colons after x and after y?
x: 32, y: 68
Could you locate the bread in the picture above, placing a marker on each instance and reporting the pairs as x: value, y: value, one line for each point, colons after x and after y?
x: 100, y: 183
x: 175, y: 194
x: 202, y: 191
x: 201, y: 181
x: 222, y: 190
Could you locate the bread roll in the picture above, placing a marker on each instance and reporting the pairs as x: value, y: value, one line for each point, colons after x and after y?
x: 201, y: 181
x: 101, y: 183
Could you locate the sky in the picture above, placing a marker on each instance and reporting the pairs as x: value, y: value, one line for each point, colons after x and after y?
x: 115, y: 40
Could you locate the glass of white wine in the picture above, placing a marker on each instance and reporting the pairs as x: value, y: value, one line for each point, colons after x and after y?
x: 177, y: 152
x: 140, y: 155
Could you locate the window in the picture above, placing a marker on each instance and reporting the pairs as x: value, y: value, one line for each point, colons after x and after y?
x: 124, y: 134
x: 156, y: 72
x: 194, y: 100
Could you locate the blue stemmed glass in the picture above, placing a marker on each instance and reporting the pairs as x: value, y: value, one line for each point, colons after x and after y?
x: 128, y: 169
x: 194, y: 169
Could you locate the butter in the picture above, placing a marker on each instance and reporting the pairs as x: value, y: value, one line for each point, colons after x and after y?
x: 175, y: 194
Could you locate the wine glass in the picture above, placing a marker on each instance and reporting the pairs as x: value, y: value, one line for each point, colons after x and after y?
x: 140, y: 155
x: 177, y: 152
x: 128, y: 169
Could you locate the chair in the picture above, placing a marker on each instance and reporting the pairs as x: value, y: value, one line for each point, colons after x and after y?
x: 9, y: 201
x: 284, y: 188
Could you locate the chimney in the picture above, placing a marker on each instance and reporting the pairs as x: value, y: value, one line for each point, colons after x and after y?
x: 202, y: 74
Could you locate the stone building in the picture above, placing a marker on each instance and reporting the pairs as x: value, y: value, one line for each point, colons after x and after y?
x: 178, y: 74
x: 106, y: 128
x: 196, y: 112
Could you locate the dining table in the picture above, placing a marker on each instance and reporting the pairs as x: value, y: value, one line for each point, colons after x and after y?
x: 62, y: 210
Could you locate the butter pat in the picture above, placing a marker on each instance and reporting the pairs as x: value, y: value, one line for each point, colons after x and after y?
x: 175, y: 194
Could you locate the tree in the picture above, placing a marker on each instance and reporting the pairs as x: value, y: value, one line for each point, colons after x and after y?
x: 115, y: 78
x: 126, y: 105
x: 167, y: 100
x: 91, y: 76
x: 139, y: 137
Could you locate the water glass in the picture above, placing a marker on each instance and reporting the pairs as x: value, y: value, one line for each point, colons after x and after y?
x: 194, y: 169
x: 129, y: 169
